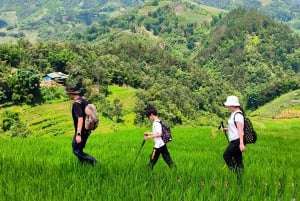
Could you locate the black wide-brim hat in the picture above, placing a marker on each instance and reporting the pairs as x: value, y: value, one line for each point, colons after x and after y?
x: 72, y: 90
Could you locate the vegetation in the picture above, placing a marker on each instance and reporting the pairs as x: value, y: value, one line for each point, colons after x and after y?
x: 44, y: 168
x: 286, y: 106
x: 244, y: 53
x: 53, y: 118
x: 57, y: 20
x: 181, y: 57
x: 280, y: 10
x: 174, y: 55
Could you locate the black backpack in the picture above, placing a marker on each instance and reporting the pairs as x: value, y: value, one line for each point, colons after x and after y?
x: 166, y: 134
x: 250, y: 135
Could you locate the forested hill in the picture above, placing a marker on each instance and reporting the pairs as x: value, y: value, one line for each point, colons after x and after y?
x: 181, y: 28
x: 281, y: 10
x: 57, y: 20
x: 187, y: 78
x: 257, y: 55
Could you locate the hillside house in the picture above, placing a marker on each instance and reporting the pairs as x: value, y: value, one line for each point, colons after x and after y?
x: 54, y: 78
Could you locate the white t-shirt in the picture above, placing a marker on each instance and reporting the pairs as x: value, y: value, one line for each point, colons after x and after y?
x: 156, y: 128
x: 232, y: 129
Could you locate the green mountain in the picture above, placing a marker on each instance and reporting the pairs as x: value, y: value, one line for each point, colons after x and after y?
x: 181, y: 28
x: 178, y: 56
x: 57, y: 20
x: 287, y: 11
x: 257, y: 55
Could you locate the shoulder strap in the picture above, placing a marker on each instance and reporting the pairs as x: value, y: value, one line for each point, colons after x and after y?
x: 81, y: 102
x: 234, y: 117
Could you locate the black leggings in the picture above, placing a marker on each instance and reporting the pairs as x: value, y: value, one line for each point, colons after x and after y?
x: 165, y: 154
x: 233, y: 155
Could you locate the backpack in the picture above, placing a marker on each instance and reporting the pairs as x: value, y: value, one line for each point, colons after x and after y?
x: 91, y: 116
x: 250, y: 135
x: 166, y: 134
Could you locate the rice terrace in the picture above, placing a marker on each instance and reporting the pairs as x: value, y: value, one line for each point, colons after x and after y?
x: 184, y: 58
x: 42, y: 167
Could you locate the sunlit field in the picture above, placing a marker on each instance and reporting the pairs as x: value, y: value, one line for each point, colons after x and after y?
x: 43, y: 168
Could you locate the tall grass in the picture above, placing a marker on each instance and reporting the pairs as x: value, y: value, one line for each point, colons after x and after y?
x: 43, y: 168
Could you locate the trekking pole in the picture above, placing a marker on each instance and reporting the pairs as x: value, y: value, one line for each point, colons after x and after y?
x: 222, y: 126
x: 138, y: 153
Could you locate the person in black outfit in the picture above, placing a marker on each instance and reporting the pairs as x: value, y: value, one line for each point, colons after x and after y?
x: 81, y: 134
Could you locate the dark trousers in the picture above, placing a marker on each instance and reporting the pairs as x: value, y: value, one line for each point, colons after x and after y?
x: 78, y: 149
x: 165, y: 154
x: 233, y: 155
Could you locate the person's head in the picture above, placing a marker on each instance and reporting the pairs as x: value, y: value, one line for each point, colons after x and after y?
x: 232, y: 103
x: 151, y: 113
x: 72, y: 92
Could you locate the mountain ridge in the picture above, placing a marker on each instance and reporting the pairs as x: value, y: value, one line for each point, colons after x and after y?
x: 184, y: 67
x: 55, y: 20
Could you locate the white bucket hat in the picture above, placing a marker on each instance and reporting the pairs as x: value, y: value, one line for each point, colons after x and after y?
x: 232, y: 101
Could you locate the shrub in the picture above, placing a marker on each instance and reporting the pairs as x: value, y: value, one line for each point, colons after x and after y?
x: 53, y: 93
x: 9, y: 119
x: 19, y: 129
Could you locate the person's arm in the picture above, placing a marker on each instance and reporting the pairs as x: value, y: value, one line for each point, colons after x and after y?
x: 79, y: 127
x: 149, y: 135
x: 79, y: 124
x: 239, y: 126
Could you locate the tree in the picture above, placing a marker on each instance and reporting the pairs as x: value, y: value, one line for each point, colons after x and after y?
x: 26, y: 88
x: 59, y: 57
x: 12, y: 55
x: 117, y: 110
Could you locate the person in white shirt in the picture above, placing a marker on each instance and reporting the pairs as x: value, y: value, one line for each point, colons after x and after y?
x: 233, y: 154
x: 159, y: 146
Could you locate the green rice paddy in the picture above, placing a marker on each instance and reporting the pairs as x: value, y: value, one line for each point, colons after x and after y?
x: 43, y: 168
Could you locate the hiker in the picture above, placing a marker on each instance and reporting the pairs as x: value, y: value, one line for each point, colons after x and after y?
x: 159, y: 146
x: 233, y: 154
x: 81, y: 134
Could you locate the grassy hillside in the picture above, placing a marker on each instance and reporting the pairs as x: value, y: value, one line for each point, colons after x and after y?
x: 285, y: 106
x: 53, y: 119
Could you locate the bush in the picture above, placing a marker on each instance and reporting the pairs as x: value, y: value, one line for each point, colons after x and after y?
x: 52, y: 93
x: 19, y: 129
x: 9, y: 119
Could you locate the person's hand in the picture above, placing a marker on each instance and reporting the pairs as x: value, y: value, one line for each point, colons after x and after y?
x: 78, y: 138
x: 147, y: 135
x: 242, y: 147
x: 225, y: 129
